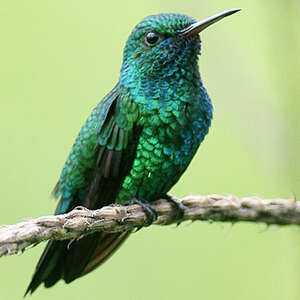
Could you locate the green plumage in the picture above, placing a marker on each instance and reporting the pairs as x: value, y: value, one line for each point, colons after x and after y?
x: 136, y: 143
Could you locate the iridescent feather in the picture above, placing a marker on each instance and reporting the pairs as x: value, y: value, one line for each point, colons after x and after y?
x: 136, y: 143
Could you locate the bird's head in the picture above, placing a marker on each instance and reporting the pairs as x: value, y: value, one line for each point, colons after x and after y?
x: 161, y: 44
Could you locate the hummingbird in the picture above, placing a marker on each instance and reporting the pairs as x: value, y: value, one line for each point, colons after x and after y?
x: 136, y: 143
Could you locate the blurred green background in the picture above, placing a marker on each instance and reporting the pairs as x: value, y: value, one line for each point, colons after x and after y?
x: 59, y: 58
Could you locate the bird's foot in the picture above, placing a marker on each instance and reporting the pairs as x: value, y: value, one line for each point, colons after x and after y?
x: 179, y: 207
x: 151, y: 214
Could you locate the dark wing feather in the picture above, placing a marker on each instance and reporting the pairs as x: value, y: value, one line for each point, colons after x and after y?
x: 114, y: 153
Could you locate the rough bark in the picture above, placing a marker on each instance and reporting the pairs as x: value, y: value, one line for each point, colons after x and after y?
x: 81, y: 221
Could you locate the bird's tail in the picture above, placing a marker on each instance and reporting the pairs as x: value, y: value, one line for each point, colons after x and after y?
x: 69, y: 260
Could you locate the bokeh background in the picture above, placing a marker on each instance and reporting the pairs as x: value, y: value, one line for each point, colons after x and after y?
x: 59, y: 58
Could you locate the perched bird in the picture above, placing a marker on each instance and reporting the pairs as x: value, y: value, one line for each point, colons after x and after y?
x: 137, y: 142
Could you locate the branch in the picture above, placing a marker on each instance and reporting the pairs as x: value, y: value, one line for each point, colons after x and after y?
x: 81, y: 221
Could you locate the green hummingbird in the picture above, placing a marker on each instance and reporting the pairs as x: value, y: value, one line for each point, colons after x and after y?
x: 137, y: 142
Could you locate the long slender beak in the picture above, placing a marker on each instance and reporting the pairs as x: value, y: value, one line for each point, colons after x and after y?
x: 201, y: 25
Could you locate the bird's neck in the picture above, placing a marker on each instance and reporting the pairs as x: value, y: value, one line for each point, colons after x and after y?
x: 167, y: 83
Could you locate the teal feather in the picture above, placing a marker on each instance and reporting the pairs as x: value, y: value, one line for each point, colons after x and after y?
x: 136, y: 143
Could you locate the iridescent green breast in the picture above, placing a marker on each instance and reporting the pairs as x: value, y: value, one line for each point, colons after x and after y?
x: 170, y: 137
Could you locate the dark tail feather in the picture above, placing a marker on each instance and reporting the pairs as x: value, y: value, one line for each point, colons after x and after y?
x: 48, y: 263
x: 69, y: 260
x: 78, y: 256
x: 109, y: 244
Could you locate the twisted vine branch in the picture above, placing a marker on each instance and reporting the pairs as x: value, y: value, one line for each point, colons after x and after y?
x: 81, y: 221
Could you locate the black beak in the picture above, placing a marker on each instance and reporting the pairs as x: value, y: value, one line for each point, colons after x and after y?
x: 201, y: 25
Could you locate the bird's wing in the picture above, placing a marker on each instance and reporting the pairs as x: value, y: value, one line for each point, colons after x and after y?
x: 101, y: 157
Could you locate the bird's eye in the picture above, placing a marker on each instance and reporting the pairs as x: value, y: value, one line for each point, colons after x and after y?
x: 152, y: 38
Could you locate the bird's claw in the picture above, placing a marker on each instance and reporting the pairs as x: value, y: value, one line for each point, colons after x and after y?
x: 151, y: 214
x: 178, y: 206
